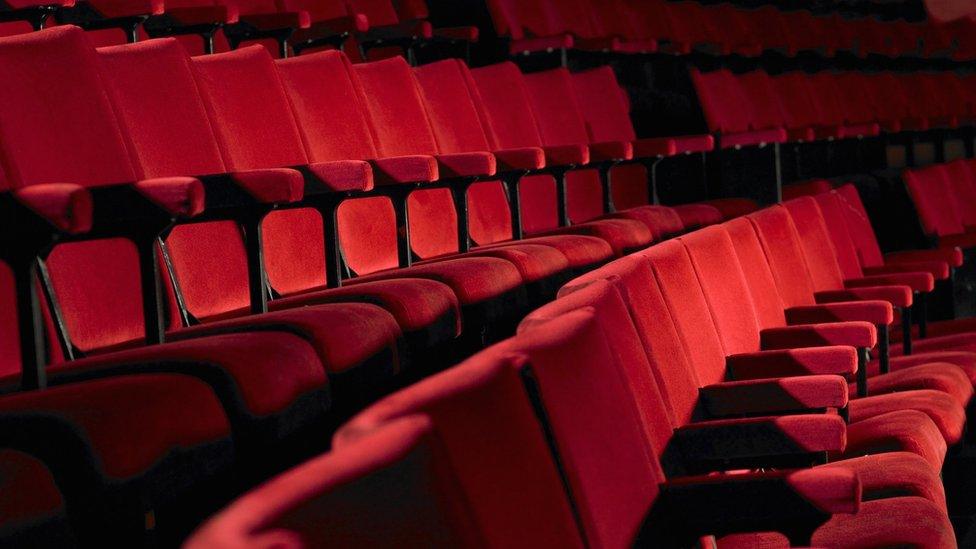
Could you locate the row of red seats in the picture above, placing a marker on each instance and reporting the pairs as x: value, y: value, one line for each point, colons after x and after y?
x: 754, y: 107
x: 675, y: 396
x: 680, y: 27
x: 157, y: 207
x: 206, y: 26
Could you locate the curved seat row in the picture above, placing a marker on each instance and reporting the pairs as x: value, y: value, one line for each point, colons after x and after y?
x: 705, y: 390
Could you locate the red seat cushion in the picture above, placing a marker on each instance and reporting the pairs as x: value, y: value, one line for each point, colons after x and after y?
x: 581, y: 251
x: 904, y: 430
x: 472, y: 279
x: 941, y: 408
x: 534, y: 261
x: 132, y: 421
x: 416, y: 304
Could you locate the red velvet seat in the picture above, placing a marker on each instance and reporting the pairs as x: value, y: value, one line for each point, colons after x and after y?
x: 729, y: 114
x: 932, y: 192
x: 506, y: 105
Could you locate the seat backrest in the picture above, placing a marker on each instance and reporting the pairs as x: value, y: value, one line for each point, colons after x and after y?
x: 832, y: 207
x: 829, y: 96
x: 451, y: 109
x: 561, y: 122
x: 859, y: 226
x: 354, y: 495
x: 723, y: 283
x: 606, y: 110
x: 676, y: 278
x: 594, y: 417
x: 818, y: 247
x: 800, y: 106
x: 518, y: 18
x: 762, y: 284
x: 930, y: 191
x: 524, y: 495
x: 784, y: 253
x: 722, y: 101
x: 962, y: 183
x: 765, y: 103
x: 673, y: 371
x: 249, y: 110
x: 507, y: 109
x: 255, y: 127
x: 334, y: 124
x: 398, y: 119
x: 318, y: 10
x: 455, y: 112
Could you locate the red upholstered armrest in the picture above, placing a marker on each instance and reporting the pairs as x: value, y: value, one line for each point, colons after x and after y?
x: 876, y: 312
x: 272, y: 186
x: 178, y: 196
x: 405, y: 169
x: 343, y: 175
x: 898, y: 296
x: 567, y: 155
x: 65, y: 206
x: 693, y: 143
x: 771, y: 396
x: 611, y: 150
x: 527, y: 158
x: 465, y: 34
x: 653, y: 147
x: 277, y: 20
x: 405, y: 29
x: 855, y: 334
x: 952, y: 256
x: 919, y: 282
x: 691, y: 507
x: 833, y: 360
x: 469, y: 164
x: 759, y: 438
x: 938, y: 269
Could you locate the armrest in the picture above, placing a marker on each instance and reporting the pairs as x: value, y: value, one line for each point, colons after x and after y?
x: 462, y: 34
x: 876, y: 312
x: 952, y: 256
x: 244, y: 188
x: 834, y: 360
x: 404, y: 169
x: 855, y: 334
x: 527, y: 158
x: 611, y: 151
x: 794, y: 503
x: 567, y: 155
x: 337, y: 176
x: 469, y: 164
x: 761, y: 441
x: 654, y: 147
x: 65, y: 206
x: 919, y: 282
x: 693, y: 143
x: 938, y: 269
x: 898, y: 296
x: 771, y: 396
